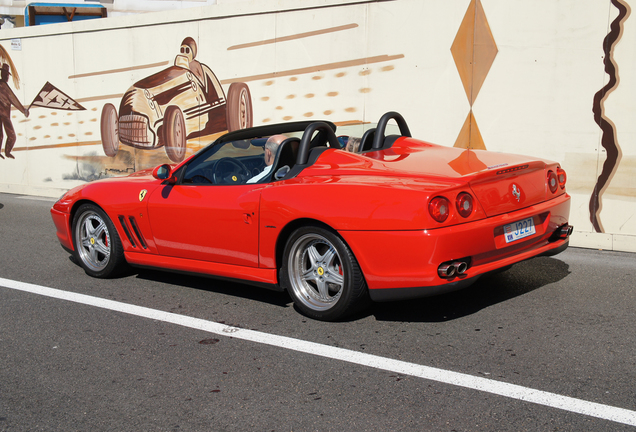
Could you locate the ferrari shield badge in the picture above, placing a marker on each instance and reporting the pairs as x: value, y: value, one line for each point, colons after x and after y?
x: 142, y: 194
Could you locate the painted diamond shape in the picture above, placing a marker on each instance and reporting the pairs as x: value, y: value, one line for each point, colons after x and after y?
x: 474, y: 50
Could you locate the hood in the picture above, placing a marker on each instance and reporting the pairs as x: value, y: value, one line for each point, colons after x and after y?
x: 160, y: 78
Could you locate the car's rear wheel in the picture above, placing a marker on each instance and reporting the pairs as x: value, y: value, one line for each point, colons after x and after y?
x: 321, y: 274
x: 109, y: 128
x: 97, y: 245
x: 174, y: 134
x: 239, y: 107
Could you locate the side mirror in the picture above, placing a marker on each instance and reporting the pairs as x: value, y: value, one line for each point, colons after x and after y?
x: 164, y: 172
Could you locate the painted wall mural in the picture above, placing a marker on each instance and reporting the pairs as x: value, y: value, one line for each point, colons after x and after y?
x: 170, y: 107
x: 8, y: 99
x: 609, y: 140
x: 48, y: 97
x: 477, y: 74
x: 474, y: 51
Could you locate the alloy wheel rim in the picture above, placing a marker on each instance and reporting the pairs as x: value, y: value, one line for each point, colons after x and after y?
x: 316, y: 272
x: 94, y: 241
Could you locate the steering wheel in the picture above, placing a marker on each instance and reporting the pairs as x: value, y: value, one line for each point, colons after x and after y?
x: 236, y: 174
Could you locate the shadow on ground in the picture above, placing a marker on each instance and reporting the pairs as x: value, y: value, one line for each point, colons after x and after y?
x: 489, y: 290
x: 230, y: 288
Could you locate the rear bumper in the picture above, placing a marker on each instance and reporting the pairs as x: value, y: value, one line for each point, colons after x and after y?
x: 403, y: 264
x: 393, y: 294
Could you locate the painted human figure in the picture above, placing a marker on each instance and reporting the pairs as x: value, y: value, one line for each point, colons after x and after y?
x: 189, y: 49
x: 7, y: 99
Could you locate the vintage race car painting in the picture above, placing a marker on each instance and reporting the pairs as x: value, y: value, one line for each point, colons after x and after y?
x: 167, y: 109
x: 398, y: 218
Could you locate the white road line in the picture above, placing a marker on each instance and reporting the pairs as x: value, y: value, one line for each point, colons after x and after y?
x: 606, y: 412
x: 37, y: 198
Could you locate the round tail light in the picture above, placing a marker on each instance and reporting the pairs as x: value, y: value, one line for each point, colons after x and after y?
x: 464, y: 204
x: 439, y: 208
x: 553, y: 183
x: 562, y: 177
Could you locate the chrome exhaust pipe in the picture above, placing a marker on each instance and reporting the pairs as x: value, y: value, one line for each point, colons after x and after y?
x: 460, y: 267
x: 565, y: 231
x: 446, y: 271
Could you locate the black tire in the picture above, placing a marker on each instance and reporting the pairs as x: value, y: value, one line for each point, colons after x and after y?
x: 238, y: 113
x: 98, y: 248
x: 174, y: 134
x: 109, y: 129
x: 321, y: 275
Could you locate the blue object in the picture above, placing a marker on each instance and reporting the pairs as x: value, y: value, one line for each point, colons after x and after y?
x: 50, y: 13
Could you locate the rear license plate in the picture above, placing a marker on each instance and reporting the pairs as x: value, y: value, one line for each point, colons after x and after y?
x: 519, y: 230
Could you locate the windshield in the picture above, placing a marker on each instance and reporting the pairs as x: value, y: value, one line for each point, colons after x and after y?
x: 235, y: 162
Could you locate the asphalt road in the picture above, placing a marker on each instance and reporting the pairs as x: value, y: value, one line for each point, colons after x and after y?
x: 562, y: 325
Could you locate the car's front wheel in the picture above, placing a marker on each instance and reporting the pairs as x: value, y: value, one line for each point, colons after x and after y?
x: 174, y: 131
x: 97, y: 245
x: 321, y: 274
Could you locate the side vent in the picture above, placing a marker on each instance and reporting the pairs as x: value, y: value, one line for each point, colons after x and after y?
x: 124, y: 225
x: 137, y: 238
x: 135, y: 228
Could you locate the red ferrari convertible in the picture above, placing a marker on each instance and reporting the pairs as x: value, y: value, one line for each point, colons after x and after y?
x: 397, y: 218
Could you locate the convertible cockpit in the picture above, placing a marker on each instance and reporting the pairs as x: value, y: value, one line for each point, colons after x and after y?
x: 241, y: 157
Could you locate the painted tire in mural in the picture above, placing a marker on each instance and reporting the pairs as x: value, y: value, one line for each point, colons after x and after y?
x: 321, y: 274
x: 174, y: 134
x: 98, y: 248
x: 109, y: 128
x: 239, y: 107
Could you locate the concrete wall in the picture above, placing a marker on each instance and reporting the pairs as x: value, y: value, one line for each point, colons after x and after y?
x: 522, y: 78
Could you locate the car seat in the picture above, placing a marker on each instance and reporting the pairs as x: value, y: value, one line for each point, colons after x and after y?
x: 285, y: 157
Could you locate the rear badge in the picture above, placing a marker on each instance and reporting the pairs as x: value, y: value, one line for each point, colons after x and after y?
x: 516, y: 192
x: 142, y: 194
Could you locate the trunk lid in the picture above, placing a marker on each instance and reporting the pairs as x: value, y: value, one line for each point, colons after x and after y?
x: 510, y: 188
x: 500, y: 182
